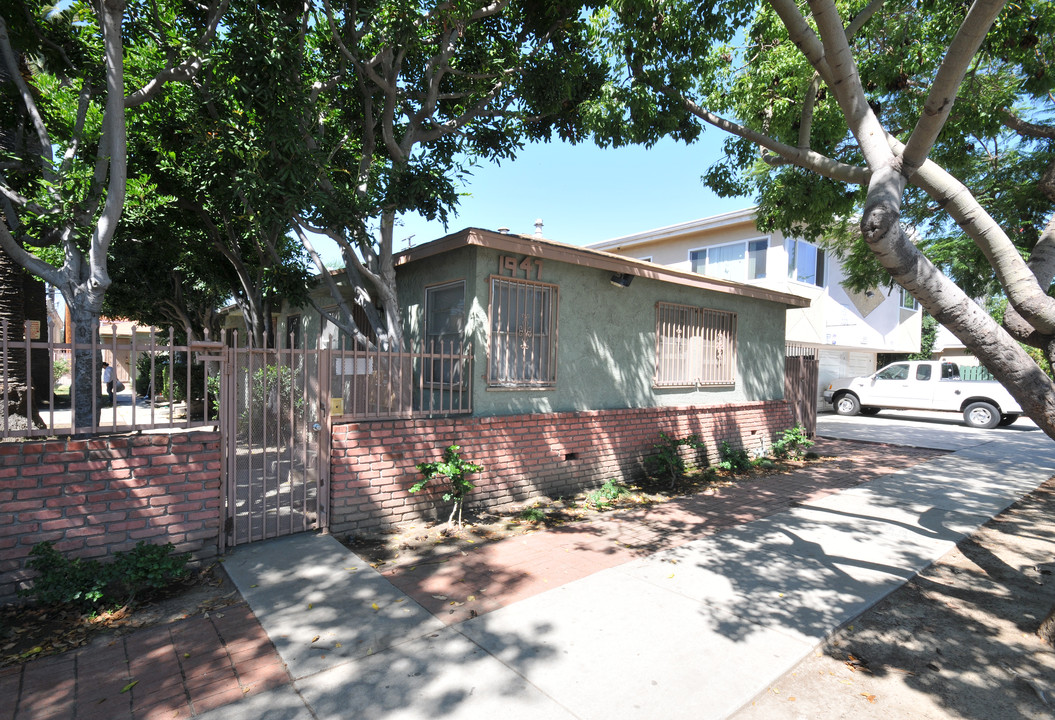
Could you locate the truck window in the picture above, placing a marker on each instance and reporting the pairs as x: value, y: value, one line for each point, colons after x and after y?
x: 950, y: 371
x: 893, y: 372
x: 923, y: 372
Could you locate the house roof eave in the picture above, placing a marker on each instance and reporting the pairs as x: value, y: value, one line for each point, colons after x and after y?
x: 592, y: 258
x: 736, y: 217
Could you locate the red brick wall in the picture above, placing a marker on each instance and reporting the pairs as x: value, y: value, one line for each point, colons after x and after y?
x: 523, y: 455
x: 94, y: 497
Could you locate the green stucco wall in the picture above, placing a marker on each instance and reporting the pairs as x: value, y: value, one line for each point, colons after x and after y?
x: 605, y: 336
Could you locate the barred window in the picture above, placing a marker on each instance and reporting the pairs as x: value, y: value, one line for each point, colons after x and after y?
x: 694, y: 346
x: 523, y: 350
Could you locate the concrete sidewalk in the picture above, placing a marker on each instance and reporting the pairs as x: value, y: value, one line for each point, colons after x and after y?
x: 696, y: 630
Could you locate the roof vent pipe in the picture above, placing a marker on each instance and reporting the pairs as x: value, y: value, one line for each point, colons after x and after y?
x: 503, y: 230
x: 538, y: 228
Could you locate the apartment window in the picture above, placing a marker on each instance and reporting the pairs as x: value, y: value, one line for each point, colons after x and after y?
x: 738, y: 261
x: 523, y: 351
x: 805, y: 262
x: 694, y: 346
x: 444, y: 331
x: 293, y: 332
x: 907, y: 301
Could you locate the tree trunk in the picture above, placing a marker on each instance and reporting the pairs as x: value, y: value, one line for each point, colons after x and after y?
x: 950, y: 306
x: 1046, y: 631
x: 12, y: 309
x: 387, y: 291
x: 87, y: 371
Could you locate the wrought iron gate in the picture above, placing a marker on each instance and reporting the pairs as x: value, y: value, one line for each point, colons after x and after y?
x: 276, y: 433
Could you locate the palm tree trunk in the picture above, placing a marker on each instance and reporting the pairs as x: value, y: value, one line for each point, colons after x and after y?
x: 16, y: 369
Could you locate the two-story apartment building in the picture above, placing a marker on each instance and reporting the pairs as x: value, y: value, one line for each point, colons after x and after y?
x: 847, y: 330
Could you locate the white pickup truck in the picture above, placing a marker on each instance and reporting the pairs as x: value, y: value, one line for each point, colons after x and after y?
x: 925, y: 385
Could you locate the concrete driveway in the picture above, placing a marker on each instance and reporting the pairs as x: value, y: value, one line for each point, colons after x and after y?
x: 917, y: 428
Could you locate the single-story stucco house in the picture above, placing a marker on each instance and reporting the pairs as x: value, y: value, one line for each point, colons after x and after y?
x: 579, y: 359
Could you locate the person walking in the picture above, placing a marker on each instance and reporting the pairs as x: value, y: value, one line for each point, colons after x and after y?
x: 108, y: 380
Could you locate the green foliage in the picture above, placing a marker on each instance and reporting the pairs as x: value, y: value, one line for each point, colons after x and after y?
x: 733, y: 459
x: 212, y: 386
x: 91, y: 585
x: 169, y: 376
x: 611, y: 490
x: 60, y: 368
x: 667, y: 461
x: 64, y: 581
x: 792, y: 443
x: 228, y: 161
x: 928, y: 334
x: 743, y: 67
x: 455, y: 469
x: 271, y: 386
x: 145, y: 385
x: 532, y: 514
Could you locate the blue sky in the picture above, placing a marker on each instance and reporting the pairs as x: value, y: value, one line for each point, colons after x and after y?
x: 585, y: 194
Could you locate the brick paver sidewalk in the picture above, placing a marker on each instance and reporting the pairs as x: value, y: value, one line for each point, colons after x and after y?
x: 168, y: 671
x: 474, y: 580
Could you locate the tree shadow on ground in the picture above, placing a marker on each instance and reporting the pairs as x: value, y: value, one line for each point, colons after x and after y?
x: 962, y: 633
x: 352, y: 640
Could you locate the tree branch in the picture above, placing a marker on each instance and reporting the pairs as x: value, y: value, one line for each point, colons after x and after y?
x: 335, y: 293
x: 975, y: 26
x: 802, y: 157
x: 809, y: 102
x: 845, y: 82
x: 1028, y: 129
x: 1018, y: 281
x: 30, y: 262
x: 802, y: 35
x: 187, y: 69
x: 114, y: 140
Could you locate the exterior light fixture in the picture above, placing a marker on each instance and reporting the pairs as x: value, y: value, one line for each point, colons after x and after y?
x: 622, y: 280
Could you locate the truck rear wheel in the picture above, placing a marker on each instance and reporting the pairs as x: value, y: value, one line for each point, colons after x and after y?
x: 981, y: 415
x: 847, y: 404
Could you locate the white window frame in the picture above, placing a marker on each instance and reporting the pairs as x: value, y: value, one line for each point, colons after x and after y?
x: 705, y: 252
x: 522, y: 343
x: 821, y: 267
x: 695, y: 346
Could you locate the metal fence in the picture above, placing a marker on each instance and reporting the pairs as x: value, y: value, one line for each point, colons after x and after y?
x: 161, y: 384
x: 377, y: 384
x: 793, y: 350
x: 171, y: 385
